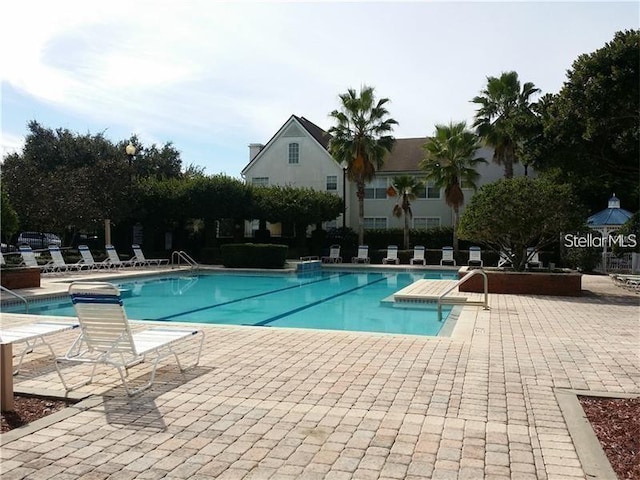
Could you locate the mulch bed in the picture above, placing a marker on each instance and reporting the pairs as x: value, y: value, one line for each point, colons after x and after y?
x: 616, y: 422
x: 27, y: 409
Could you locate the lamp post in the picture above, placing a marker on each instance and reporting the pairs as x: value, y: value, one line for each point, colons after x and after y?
x: 344, y: 196
x: 130, y: 151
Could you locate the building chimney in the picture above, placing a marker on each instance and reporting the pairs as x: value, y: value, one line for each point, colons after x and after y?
x: 254, y: 150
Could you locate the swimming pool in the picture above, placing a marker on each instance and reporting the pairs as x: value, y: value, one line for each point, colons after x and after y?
x: 336, y: 300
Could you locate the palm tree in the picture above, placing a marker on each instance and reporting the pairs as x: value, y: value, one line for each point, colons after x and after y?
x: 405, y: 188
x: 504, y: 117
x: 360, y: 139
x: 450, y: 164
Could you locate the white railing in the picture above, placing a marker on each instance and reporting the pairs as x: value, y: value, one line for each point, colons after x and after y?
x: 615, y: 263
x: 20, y: 297
x: 179, y: 255
x: 442, y: 298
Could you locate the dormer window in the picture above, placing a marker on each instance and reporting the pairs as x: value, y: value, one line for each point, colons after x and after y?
x: 294, y: 153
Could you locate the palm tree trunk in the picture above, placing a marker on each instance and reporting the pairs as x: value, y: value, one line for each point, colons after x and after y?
x: 455, y: 229
x: 509, y: 160
x: 360, y: 213
x: 406, y: 231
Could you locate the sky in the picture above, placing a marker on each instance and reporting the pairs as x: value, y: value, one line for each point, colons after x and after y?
x: 212, y: 77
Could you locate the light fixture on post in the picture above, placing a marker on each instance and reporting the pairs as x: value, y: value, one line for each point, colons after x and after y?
x: 130, y: 151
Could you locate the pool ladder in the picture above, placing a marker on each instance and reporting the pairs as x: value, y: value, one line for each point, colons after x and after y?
x: 20, y: 297
x: 179, y: 256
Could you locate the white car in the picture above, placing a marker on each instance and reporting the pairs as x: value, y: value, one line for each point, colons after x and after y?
x: 38, y: 240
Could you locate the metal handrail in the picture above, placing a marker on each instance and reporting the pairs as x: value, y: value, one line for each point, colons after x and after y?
x: 20, y: 297
x: 178, y: 255
x: 484, y: 304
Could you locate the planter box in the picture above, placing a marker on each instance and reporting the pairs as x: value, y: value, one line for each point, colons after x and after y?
x: 15, y: 278
x: 529, y: 283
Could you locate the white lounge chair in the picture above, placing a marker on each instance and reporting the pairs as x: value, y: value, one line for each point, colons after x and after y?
x: 363, y: 255
x: 29, y: 259
x: 106, y: 337
x: 506, y: 258
x: 114, y: 258
x: 88, y: 261
x: 475, y: 256
x: 139, y: 257
x: 334, y: 255
x: 447, y: 256
x: 532, y: 258
x: 31, y: 334
x: 392, y: 255
x: 59, y: 263
x: 418, y: 255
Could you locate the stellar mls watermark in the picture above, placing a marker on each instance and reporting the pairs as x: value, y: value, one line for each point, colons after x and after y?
x: 589, y: 240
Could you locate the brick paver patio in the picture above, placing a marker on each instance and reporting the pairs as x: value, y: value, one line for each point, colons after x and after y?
x: 283, y: 403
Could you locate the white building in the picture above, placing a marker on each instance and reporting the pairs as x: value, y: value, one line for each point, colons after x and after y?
x: 297, y: 155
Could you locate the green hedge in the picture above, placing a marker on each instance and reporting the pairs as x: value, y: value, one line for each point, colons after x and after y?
x: 434, y: 238
x: 251, y: 255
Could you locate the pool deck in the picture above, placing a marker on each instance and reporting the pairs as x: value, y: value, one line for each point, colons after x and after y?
x: 486, y: 402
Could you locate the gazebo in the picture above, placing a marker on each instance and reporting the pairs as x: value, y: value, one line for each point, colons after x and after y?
x: 607, y: 222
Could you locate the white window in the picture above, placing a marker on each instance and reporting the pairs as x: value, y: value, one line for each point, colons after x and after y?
x: 375, y: 223
x: 332, y: 183
x: 376, y: 189
x: 425, y: 222
x: 294, y: 153
x: 428, y: 190
x: 260, y: 181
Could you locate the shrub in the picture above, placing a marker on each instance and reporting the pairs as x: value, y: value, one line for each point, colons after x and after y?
x: 250, y: 255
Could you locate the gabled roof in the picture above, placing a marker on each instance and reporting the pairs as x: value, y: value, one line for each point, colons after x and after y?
x: 315, y: 131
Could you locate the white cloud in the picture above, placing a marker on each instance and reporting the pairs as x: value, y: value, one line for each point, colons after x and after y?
x: 229, y: 74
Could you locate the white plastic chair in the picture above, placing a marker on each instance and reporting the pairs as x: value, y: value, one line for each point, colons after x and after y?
x: 418, y: 255
x: 114, y: 258
x: 141, y: 260
x: 532, y: 258
x: 334, y: 255
x: 506, y: 259
x: 29, y: 259
x: 88, y: 261
x: 106, y: 337
x: 363, y: 255
x: 392, y: 255
x: 59, y: 263
x: 475, y: 256
x: 447, y: 255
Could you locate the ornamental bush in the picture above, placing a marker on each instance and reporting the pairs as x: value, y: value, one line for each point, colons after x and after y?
x: 514, y: 214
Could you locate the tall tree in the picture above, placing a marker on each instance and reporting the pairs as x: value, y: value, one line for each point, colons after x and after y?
x: 504, y: 117
x: 361, y: 138
x: 590, y: 130
x: 405, y: 188
x: 512, y: 214
x: 450, y: 163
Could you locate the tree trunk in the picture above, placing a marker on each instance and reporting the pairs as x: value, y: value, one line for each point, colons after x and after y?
x: 360, y: 213
x: 455, y: 229
x: 406, y: 231
x: 509, y: 160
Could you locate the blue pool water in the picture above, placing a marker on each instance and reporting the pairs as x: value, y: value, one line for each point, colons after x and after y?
x: 337, y: 300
